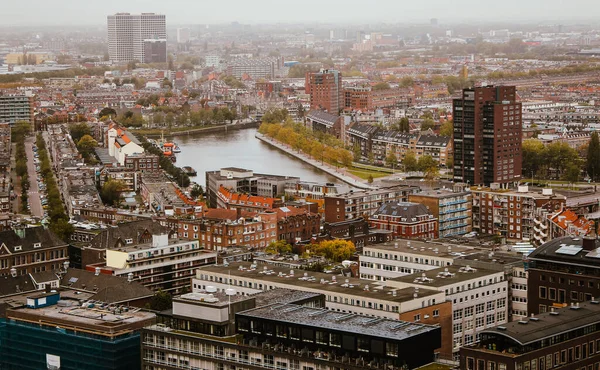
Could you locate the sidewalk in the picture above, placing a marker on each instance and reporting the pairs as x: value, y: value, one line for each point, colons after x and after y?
x: 339, y: 173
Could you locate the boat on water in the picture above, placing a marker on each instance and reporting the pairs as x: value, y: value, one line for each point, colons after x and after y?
x: 176, y: 148
x: 189, y: 171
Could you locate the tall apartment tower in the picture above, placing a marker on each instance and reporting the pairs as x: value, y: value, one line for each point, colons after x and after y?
x: 14, y: 108
x: 487, y: 136
x: 127, y: 34
x: 325, y: 90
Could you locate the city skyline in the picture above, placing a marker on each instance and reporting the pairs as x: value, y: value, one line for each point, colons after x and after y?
x: 264, y: 11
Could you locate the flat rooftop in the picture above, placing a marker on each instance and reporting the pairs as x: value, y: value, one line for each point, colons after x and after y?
x: 100, y: 318
x: 315, y: 281
x: 550, y: 324
x: 416, y: 247
x: 349, y: 323
x: 444, y: 276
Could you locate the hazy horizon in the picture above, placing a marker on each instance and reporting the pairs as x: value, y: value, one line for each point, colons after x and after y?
x: 77, y: 12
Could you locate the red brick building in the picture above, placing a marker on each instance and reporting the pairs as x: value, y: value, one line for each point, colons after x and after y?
x: 325, y: 90
x: 406, y: 220
x: 296, y: 224
x: 245, y: 202
x: 487, y: 136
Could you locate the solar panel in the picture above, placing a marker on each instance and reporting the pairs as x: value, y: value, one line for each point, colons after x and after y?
x: 73, y: 280
x: 569, y: 250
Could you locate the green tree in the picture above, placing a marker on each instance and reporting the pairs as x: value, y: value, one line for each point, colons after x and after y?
x: 111, y: 191
x: 196, y: 191
x: 534, y: 153
x: 20, y: 130
x: 447, y: 129
x: 427, y: 124
x: 391, y: 159
x: 161, y: 301
x: 381, y: 86
x: 403, y: 125
x: 407, y: 81
x: 335, y: 250
x: 279, y: 247
x: 572, y: 173
x: 86, y: 146
x: 593, y: 157
x: 410, y: 162
x: 356, y: 152
x: 370, y: 179
x: 62, y: 228
x: 107, y: 112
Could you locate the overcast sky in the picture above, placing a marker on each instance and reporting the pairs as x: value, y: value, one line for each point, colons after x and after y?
x: 78, y: 12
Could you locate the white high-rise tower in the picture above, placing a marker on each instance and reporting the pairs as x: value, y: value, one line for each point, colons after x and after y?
x: 128, y: 32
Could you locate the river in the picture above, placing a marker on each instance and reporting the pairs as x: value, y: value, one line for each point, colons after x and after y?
x: 239, y: 148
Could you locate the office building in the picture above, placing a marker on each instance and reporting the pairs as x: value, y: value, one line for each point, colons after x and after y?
x: 452, y: 209
x: 183, y: 35
x: 385, y: 261
x: 155, y: 51
x: 355, y: 204
x: 53, y: 333
x: 14, y: 108
x: 511, y: 214
x: 255, y: 68
x: 241, y: 180
x: 127, y: 33
x: 479, y: 298
x: 405, y: 220
x: 165, y: 264
x: 487, y: 136
x: 209, y: 330
x: 566, y: 338
x: 325, y: 90
x: 563, y: 271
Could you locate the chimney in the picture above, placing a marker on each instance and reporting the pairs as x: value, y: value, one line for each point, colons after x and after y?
x: 589, y: 243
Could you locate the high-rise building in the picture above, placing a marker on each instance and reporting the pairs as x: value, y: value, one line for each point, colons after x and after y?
x: 325, y: 89
x: 487, y: 136
x: 128, y: 32
x: 14, y: 108
x: 183, y: 35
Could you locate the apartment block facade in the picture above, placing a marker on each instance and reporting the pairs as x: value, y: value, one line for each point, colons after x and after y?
x: 127, y: 34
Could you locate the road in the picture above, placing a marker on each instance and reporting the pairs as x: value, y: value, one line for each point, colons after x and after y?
x: 33, y: 193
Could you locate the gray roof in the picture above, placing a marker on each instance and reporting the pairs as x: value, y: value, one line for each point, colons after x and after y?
x: 30, y: 237
x: 18, y: 284
x: 134, y: 230
x: 394, y: 136
x: 568, y: 249
x: 363, y: 130
x: 433, y: 140
x: 549, y: 324
x: 322, y: 115
x: 107, y: 288
x: 343, y: 322
x: 406, y: 210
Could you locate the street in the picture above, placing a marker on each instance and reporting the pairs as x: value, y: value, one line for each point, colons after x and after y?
x: 34, y: 195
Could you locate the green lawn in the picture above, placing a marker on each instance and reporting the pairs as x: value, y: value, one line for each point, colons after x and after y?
x: 364, y: 174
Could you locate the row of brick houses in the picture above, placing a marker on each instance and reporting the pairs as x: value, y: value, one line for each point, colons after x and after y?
x: 379, y: 142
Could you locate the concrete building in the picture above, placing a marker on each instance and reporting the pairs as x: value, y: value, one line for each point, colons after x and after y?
x: 564, y: 338
x: 451, y: 209
x: 479, y: 298
x: 183, y: 35
x: 68, y: 334
x: 390, y: 260
x: 246, y: 181
x: 165, y: 263
x: 270, y: 328
x: 254, y: 68
x: 14, y: 108
x: 325, y: 90
x: 406, y: 220
x: 487, y: 136
x: 155, y: 50
x: 563, y: 272
x: 127, y: 32
x: 355, y: 204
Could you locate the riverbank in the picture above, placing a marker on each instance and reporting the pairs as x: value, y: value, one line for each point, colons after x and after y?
x: 192, y: 131
x: 339, y: 173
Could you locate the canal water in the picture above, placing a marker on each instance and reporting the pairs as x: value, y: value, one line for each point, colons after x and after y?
x: 239, y: 148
